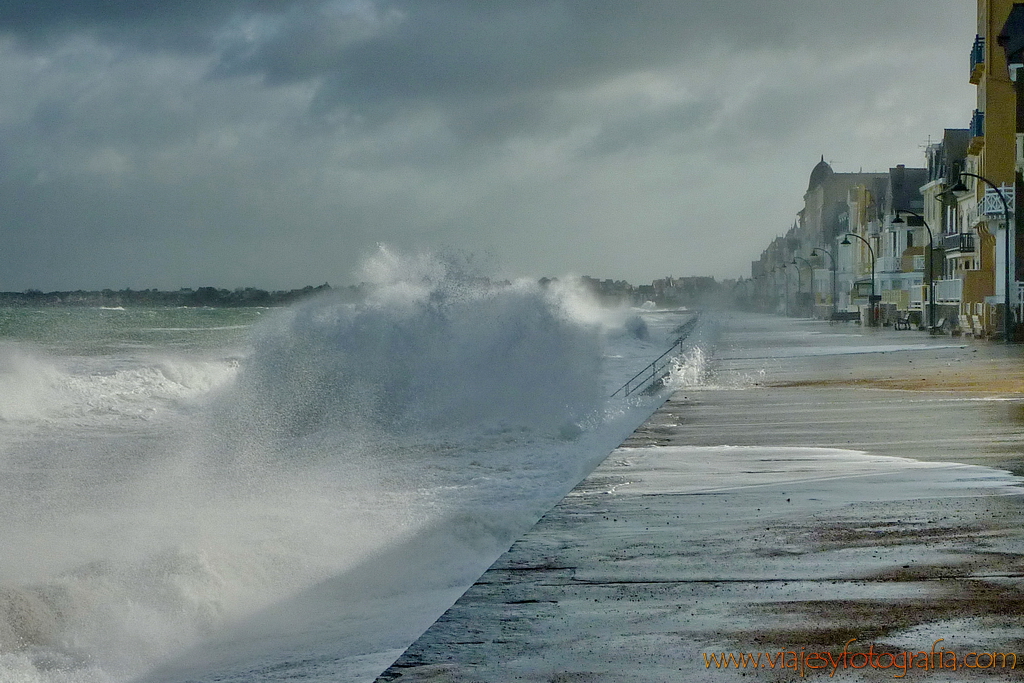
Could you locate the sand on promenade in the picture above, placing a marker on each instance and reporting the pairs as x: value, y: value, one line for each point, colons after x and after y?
x: 968, y: 365
x: 810, y: 495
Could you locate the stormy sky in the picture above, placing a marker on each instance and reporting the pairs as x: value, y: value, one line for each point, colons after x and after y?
x: 274, y: 143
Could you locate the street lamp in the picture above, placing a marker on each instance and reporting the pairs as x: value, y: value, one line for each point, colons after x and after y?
x: 799, y: 278
x: 1011, y: 39
x: 785, y: 279
x: 774, y: 306
x: 873, y: 300
x: 814, y: 252
x: 961, y: 188
x: 931, y: 264
x: 781, y: 268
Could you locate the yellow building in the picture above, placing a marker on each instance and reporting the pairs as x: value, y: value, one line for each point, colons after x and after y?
x: 990, y: 154
x: 858, y: 258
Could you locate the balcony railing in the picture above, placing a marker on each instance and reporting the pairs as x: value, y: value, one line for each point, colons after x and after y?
x: 992, y: 205
x: 948, y: 291
x: 978, y: 124
x: 977, y: 59
x: 889, y: 264
x: 962, y: 242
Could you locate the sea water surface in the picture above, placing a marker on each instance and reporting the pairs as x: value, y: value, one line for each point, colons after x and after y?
x: 290, y: 494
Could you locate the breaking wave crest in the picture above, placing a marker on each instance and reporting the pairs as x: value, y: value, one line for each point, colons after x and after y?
x: 394, y: 447
x: 36, y: 388
x: 440, y: 351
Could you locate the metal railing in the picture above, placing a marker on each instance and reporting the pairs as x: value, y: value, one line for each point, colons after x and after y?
x: 653, y: 376
x: 978, y: 124
x: 949, y: 291
x: 977, y: 57
x: 889, y: 264
x: 992, y: 205
x: 960, y: 241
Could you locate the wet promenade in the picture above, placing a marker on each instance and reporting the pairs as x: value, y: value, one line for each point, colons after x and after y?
x: 822, y: 485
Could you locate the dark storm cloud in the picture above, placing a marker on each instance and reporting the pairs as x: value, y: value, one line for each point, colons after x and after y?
x: 269, y: 140
x: 163, y: 24
x: 366, y: 52
x: 457, y: 51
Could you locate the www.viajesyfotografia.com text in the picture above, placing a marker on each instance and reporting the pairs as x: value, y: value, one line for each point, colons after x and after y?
x: 804, y: 663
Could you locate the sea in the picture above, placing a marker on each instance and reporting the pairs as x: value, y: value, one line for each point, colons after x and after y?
x: 293, y: 494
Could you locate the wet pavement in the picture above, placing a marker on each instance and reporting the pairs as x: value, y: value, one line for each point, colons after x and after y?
x: 789, y: 502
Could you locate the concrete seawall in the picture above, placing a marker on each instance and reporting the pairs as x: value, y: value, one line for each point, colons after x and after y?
x: 825, y: 488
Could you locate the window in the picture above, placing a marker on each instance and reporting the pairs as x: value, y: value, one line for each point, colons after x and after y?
x: 910, y: 239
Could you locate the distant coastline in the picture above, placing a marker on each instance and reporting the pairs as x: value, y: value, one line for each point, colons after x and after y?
x: 667, y: 292
x: 208, y: 297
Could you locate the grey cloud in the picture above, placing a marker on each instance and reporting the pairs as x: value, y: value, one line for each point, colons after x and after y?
x: 273, y: 141
x: 489, y: 67
x: 378, y: 59
x: 458, y: 46
x: 185, y: 25
x: 643, y: 129
x: 452, y: 51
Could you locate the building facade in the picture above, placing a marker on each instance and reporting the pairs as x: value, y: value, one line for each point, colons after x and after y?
x: 986, y: 211
x: 936, y: 245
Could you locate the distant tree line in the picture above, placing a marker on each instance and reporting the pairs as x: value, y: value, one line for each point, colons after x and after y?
x: 211, y: 297
x: 668, y: 292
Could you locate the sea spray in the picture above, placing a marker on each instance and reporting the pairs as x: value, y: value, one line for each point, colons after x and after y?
x: 432, y: 352
x: 27, y: 384
x: 689, y: 369
x: 314, y: 500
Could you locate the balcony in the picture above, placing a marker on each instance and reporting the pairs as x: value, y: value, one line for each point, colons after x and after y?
x: 948, y: 291
x: 992, y: 205
x: 889, y: 264
x: 961, y: 242
x: 977, y: 132
x: 977, y: 59
x: 978, y: 124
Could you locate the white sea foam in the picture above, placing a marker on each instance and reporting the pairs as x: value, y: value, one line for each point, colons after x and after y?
x: 39, y: 388
x: 321, y: 496
x: 27, y: 384
x: 690, y: 369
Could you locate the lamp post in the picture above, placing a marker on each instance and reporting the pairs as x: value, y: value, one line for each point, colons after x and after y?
x: 759, y: 292
x: 814, y: 252
x: 781, y: 268
x: 799, y: 278
x: 1011, y: 39
x: 775, y: 290
x: 873, y: 300
x: 961, y: 188
x: 785, y: 280
x: 931, y: 265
